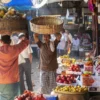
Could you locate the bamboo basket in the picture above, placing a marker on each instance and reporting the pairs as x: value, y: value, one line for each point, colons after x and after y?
x: 8, y: 26
x: 46, y: 25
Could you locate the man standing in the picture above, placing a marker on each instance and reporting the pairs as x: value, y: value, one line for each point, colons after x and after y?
x: 75, y: 45
x: 25, y: 60
x: 9, y: 70
x: 62, y: 44
x: 48, y: 62
x: 69, y: 41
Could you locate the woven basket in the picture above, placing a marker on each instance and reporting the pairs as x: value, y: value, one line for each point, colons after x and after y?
x: 46, y: 25
x: 71, y: 26
x: 12, y: 24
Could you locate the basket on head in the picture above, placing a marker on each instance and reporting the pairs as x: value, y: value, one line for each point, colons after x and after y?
x: 8, y: 25
x: 46, y: 25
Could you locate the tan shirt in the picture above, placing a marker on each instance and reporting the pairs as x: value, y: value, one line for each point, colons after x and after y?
x: 48, y: 59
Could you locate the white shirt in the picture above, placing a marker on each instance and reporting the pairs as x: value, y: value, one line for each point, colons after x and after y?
x: 52, y: 37
x: 24, y: 54
x: 62, y: 42
x: 76, y: 44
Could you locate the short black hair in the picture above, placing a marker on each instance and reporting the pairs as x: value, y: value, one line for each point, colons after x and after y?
x: 6, y: 39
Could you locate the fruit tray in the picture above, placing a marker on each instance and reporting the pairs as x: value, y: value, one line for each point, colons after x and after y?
x: 59, y: 92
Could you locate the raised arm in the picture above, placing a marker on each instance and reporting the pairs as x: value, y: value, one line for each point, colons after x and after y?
x: 36, y: 39
x: 21, y: 46
x: 58, y: 37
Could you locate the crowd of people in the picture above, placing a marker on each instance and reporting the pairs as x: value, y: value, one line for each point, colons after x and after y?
x: 16, y: 59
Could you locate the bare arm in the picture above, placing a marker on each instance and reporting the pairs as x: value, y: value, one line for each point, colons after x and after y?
x: 36, y: 37
x: 21, y: 46
x: 58, y: 37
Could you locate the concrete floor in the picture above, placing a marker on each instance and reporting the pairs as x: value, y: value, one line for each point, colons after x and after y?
x: 35, y: 74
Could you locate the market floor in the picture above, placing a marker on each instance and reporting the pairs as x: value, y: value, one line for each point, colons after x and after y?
x: 35, y: 74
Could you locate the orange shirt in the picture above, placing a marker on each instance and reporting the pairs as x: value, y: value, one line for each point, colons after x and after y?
x: 9, y: 71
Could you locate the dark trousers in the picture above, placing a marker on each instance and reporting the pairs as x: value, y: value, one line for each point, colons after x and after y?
x: 25, y: 68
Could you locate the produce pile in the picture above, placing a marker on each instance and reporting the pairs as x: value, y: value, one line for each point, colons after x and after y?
x: 27, y: 95
x: 88, y: 66
x: 75, y: 68
x: 67, y: 61
x: 71, y: 89
x: 10, y: 13
x: 66, y: 79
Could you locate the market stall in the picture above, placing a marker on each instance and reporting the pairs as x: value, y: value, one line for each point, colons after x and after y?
x: 77, y: 77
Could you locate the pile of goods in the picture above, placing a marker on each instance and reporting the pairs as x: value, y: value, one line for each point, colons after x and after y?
x: 70, y: 89
x: 87, y: 80
x: 66, y: 79
x: 75, y: 68
x: 84, y: 72
x: 88, y: 65
x: 12, y: 21
x: 27, y: 95
x: 10, y: 13
x: 66, y: 60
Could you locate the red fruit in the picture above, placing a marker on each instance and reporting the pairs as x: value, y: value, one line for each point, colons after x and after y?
x: 77, y: 69
x: 68, y: 79
x: 72, y: 78
x: 70, y: 82
x: 65, y: 82
x: 58, y: 78
x: 61, y: 76
x: 68, y: 75
x: 60, y: 81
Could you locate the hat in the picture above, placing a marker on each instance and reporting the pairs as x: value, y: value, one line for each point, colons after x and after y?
x: 21, y: 35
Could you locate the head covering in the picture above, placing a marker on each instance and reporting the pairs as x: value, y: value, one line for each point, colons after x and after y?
x: 21, y: 35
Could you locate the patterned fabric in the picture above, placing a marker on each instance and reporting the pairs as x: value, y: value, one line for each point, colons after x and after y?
x: 47, y: 81
x: 9, y: 91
